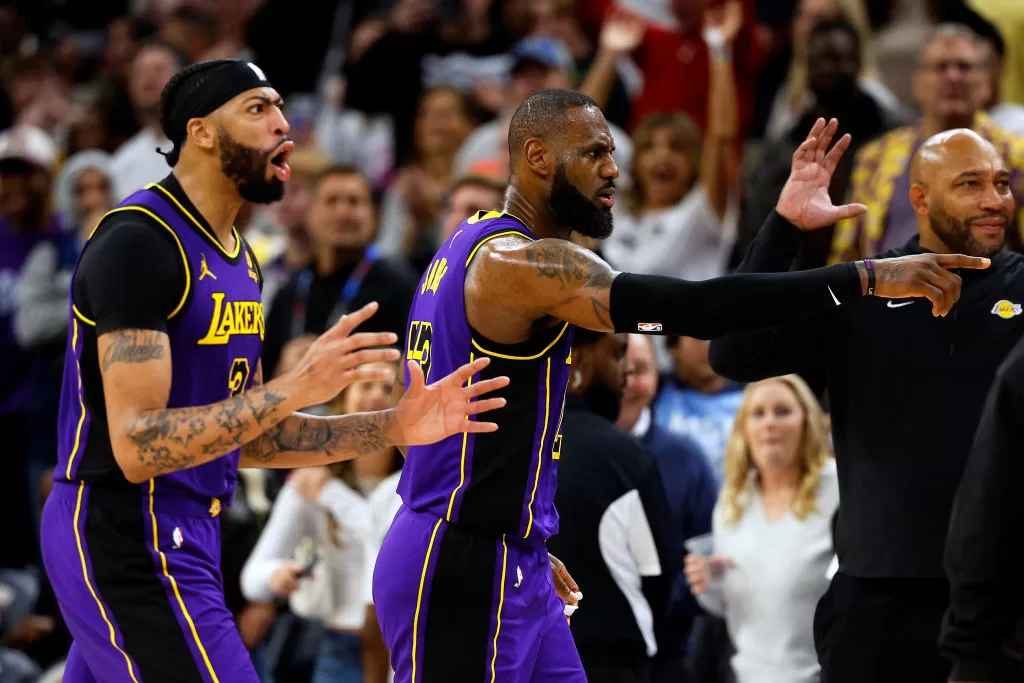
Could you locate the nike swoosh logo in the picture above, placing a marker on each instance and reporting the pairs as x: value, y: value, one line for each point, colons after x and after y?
x: 833, y: 295
x: 893, y: 304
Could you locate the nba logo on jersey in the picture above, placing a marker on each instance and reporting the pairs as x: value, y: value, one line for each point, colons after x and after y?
x: 258, y: 71
x: 177, y: 537
x: 648, y: 327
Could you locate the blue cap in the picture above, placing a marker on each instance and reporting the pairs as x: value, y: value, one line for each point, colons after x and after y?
x: 550, y: 52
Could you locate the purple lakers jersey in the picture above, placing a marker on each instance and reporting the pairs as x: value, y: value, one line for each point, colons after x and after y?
x: 216, y: 336
x: 501, y: 482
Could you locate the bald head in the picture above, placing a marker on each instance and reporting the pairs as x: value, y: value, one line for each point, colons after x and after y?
x: 960, y: 190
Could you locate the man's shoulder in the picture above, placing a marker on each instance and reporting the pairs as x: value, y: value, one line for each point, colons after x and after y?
x: 616, y: 443
x: 396, y: 271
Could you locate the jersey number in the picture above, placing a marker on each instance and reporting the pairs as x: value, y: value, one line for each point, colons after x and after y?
x: 420, y: 337
x: 239, y: 376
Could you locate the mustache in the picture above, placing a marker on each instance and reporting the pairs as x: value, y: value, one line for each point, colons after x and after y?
x: 1005, y: 215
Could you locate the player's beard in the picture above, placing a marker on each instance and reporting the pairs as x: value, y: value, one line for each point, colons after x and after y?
x: 604, y: 400
x: 571, y: 209
x: 956, y: 233
x: 247, y: 169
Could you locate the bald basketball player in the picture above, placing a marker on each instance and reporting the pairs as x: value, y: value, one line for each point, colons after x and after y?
x: 162, y: 399
x: 462, y: 585
x: 906, y: 391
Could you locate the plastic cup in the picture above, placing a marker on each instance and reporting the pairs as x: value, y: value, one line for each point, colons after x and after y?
x: 704, y: 546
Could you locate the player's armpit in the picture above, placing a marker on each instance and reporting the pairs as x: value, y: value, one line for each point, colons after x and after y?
x: 149, y: 439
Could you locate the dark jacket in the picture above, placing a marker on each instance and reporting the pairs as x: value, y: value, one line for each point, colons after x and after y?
x: 984, y: 553
x: 906, y: 391
x: 610, y: 498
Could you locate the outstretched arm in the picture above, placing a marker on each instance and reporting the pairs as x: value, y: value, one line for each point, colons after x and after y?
x: 552, y: 277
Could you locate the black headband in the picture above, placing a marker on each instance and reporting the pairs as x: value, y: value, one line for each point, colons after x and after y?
x: 204, y: 90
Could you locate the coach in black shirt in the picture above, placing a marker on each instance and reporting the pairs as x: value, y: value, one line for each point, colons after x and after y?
x: 615, y: 524
x: 906, y: 391
x: 347, y: 272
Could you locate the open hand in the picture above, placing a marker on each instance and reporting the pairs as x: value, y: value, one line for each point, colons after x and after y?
x: 427, y: 414
x: 923, y: 275
x: 339, y: 358
x: 622, y: 32
x: 804, y: 200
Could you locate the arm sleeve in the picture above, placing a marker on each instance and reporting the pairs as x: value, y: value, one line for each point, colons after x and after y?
x: 657, y: 551
x: 42, y: 312
x: 983, y: 552
x: 290, y: 521
x: 131, y: 276
x: 796, y: 346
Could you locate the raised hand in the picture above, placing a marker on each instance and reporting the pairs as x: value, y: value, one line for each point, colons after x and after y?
x: 726, y: 17
x: 339, y: 358
x: 804, y: 200
x: 923, y: 275
x: 427, y: 414
x: 622, y: 32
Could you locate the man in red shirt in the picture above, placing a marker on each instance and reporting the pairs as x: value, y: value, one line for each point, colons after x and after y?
x: 675, y: 63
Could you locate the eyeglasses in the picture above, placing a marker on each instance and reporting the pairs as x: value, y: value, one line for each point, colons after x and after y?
x: 959, y: 65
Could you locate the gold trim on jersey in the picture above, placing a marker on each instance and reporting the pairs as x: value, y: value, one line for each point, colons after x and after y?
x: 535, y: 356
x: 92, y: 591
x: 216, y: 242
x: 419, y: 598
x: 174, y: 587
x: 485, y: 240
x: 501, y: 603
x: 540, y: 451
x: 462, y: 465
x: 81, y: 400
x: 80, y: 316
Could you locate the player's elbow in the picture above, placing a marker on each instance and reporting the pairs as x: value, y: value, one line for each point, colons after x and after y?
x: 136, y: 474
x: 130, y: 462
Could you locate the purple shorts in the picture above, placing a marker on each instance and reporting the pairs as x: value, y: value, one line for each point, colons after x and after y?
x: 454, y: 605
x: 139, y: 584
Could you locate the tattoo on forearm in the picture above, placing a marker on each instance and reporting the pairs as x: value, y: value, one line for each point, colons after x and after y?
x: 572, y: 267
x: 164, y: 438
x: 132, y: 346
x: 359, y: 434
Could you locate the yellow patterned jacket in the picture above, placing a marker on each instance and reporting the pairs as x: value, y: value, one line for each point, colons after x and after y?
x: 876, y: 169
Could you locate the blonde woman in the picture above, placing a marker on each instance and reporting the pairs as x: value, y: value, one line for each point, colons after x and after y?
x: 772, y: 533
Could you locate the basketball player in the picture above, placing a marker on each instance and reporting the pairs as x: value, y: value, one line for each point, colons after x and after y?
x: 160, y: 404
x: 462, y: 586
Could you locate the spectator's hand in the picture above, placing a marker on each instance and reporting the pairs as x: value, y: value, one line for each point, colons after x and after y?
x: 308, y: 482
x: 293, y: 352
x: 285, y: 579
x: 923, y: 275
x: 697, y: 568
x: 409, y: 16
x: 255, y: 621
x: 365, y: 35
x: 804, y: 200
x: 30, y: 629
x: 622, y: 32
x: 727, y: 18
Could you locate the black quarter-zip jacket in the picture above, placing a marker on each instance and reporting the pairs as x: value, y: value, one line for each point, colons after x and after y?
x: 906, y: 390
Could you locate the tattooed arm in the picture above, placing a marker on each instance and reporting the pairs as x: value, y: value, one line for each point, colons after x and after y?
x: 556, y: 278
x: 306, y: 440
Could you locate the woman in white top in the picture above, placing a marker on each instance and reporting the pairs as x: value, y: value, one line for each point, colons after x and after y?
x: 320, y: 542
x: 680, y: 216
x: 772, y: 534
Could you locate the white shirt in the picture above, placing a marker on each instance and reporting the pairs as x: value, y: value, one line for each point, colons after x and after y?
x: 136, y: 163
x: 686, y: 240
x: 1008, y: 116
x: 769, y: 594
x: 335, y: 592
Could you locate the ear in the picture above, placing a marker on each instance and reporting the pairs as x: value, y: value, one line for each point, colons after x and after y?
x: 539, y: 157
x: 202, y: 132
x: 919, y: 199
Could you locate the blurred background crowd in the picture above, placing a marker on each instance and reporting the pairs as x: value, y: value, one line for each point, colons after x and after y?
x: 399, y: 109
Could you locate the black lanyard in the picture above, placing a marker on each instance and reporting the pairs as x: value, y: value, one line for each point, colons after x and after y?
x: 348, y: 293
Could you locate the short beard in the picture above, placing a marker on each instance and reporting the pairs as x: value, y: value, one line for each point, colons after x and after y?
x: 246, y: 167
x: 956, y: 234
x: 571, y: 210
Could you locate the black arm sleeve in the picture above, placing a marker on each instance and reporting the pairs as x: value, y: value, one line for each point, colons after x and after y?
x: 131, y: 275
x: 748, y: 356
x: 724, y: 305
x: 983, y: 549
